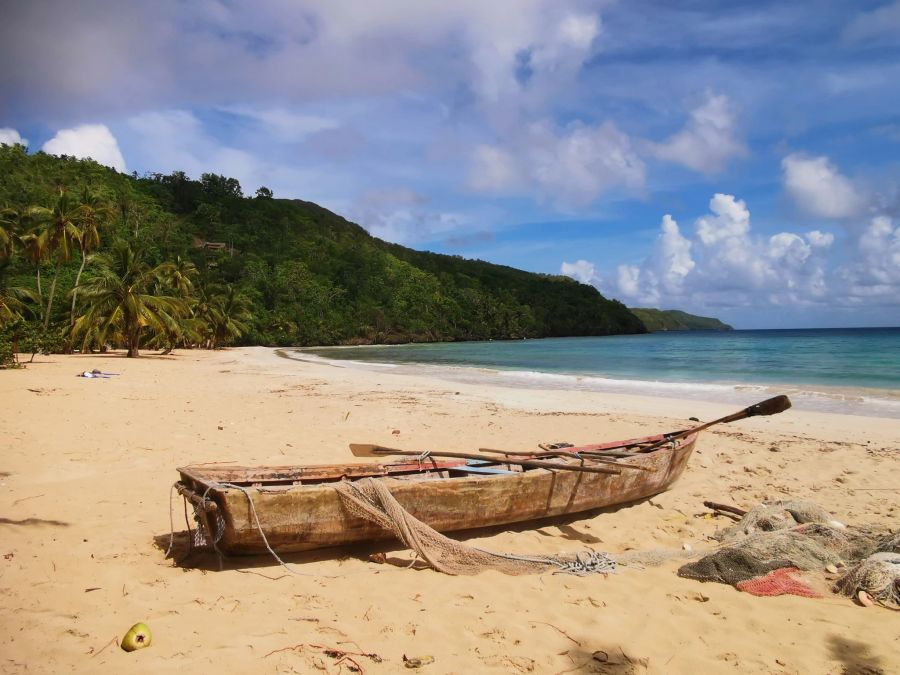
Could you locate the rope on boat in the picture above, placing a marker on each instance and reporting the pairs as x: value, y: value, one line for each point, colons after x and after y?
x: 372, y: 500
x: 192, y: 537
x: 213, y: 540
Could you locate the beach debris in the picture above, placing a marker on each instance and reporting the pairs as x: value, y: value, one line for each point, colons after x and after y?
x: 417, y: 661
x: 97, y: 652
x: 725, y: 510
x: 137, y: 637
x: 341, y: 656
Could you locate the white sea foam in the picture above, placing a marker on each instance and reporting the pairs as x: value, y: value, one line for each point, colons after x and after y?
x: 845, y: 401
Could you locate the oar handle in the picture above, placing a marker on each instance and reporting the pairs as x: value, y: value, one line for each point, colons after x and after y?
x: 771, y: 406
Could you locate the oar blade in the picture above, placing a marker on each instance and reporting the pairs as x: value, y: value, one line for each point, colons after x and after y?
x: 367, y: 450
x: 771, y: 406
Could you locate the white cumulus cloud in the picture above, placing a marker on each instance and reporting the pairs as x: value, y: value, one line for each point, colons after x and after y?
x: 10, y: 136
x: 819, y: 189
x: 283, y: 123
x: 580, y: 270
x: 672, y: 257
x: 874, y: 270
x: 176, y: 140
x: 403, y: 216
x: 569, y: 167
x: 88, y: 140
x: 725, y: 264
x: 708, y: 140
x: 731, y: 219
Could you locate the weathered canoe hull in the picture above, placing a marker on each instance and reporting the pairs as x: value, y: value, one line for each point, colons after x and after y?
x: 310, y: 516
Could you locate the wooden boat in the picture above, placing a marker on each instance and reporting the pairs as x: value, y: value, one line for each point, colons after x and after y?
x: 299, y: 509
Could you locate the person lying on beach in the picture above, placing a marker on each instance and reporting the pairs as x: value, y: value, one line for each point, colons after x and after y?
x: 95, y: 373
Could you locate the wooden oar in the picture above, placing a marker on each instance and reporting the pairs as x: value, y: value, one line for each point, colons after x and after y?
x: 771, y: 406
x: 546, y: 454
x: 372, y: 450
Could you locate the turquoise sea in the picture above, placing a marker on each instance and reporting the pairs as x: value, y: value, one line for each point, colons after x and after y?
x: 854, y: 371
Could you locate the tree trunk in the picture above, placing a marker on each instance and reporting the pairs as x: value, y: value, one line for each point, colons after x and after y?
x: 40, y: 294
x: 50, y: 299
x: 134, y: 341
x: 75, y: 289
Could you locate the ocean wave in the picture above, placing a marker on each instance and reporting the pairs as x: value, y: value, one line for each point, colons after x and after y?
x: 837, y: 400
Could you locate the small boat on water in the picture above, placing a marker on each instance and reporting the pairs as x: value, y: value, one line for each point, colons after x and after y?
x: 297, y: 508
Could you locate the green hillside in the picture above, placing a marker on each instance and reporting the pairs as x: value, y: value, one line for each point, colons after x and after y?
x: 297, y: 274
x: 673, y: 319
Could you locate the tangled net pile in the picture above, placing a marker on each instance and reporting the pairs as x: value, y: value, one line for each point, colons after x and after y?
x: 371, y: 499
x: 878, y: 575
x: 760, y: 553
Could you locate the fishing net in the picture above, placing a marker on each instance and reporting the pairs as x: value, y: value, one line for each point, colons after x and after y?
x: 778, y: 582
x: 807, y: 550
x: 792, y: 535
x: 890, y: 543
x: 878, y: 575
x: 371, y: 499
x: 806, y: 547
x: 777, y: 516
x: 730, y: 566
x: 653, y: 557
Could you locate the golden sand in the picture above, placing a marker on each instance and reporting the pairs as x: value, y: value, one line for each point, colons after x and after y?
x: 86, y: 468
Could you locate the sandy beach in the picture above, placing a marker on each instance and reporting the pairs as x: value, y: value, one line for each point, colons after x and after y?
x: 87, y: 466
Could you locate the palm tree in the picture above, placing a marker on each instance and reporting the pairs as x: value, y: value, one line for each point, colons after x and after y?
x: 179, y: 276
x: 9, y: 222
x: 13, y: 300
x: 222, y: 314
x: 121, y: 302
x: 34, y: 248
x: 61, y: 230
x: 94, y: 213
x: 234, y: 311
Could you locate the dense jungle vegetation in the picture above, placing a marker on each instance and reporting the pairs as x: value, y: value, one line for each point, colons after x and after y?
x: 90, y: 258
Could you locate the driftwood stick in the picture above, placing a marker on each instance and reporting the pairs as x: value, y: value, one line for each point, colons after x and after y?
x: 558, y: 629
x: 725, y: 508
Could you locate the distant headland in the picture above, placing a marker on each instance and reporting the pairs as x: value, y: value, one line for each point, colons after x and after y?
x: 674, y: 319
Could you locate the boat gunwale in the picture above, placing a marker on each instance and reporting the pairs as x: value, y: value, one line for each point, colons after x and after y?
x: 205, y: 476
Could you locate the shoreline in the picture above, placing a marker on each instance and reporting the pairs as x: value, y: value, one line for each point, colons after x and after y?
x: 85, y: 500
x: 857, y: 401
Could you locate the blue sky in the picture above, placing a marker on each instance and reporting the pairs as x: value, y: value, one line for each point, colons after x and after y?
x: 736, y: 159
